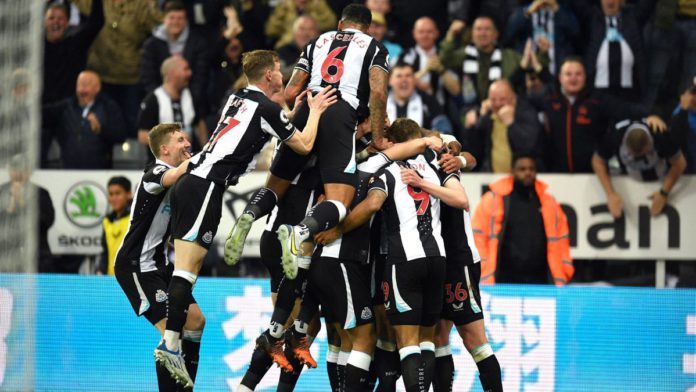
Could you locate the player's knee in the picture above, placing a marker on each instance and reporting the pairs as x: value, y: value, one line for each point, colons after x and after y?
x: 472, y: 338
x: 195, y: 321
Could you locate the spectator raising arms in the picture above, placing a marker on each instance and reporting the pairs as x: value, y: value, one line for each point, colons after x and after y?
x: 127, y: 25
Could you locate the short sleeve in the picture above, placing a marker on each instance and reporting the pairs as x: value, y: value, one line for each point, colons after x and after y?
x: 378, y: 182
x: 148, y: 116
x: 610, y: 144
x: 374, y: 163
x: 275, y: 121
x: 381, y: 57
x: 666, y: 146
x: 444, y: 177
x: 152, y: 179
x: 304, y: 63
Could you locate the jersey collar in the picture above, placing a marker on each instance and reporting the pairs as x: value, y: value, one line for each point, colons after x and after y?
x: 352, y: 30
x: 254, y: 88
x: 161, y: 162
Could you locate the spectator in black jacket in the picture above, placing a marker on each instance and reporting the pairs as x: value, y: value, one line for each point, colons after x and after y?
x: 506, y: 126
x: 615, y: 59
x: 65, y: 50
x: 577, y: 118
x: 17, y: 197
x: 86, y: 125
x: 173, y: 37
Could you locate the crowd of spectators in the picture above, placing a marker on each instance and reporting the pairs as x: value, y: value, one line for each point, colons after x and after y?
x: 550, y: 79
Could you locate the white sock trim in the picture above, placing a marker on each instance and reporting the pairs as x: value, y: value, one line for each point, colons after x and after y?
x: 386, y: 345
x: 243, y: 388
x: 332, y: 354
x: 171, y: 340
x: 341, y: 209
x: 360, y: 360
x: 192, y: 336
x: 190, y: 276
x: 343, y: 358
x: 443, y: 351
x: 481, y: 352
x: 408, y: 350
x: 427, y: 346
x: 304, y: 262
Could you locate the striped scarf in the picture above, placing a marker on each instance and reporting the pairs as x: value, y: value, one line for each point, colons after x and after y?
x: 471, y: 70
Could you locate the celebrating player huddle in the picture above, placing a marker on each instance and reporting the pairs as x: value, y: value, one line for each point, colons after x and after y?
x: 383, y: 249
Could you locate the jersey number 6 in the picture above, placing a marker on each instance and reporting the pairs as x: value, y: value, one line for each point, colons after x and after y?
x: 329, y: 74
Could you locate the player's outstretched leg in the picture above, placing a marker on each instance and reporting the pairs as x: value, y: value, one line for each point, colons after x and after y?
x: 234, y: 245
x: 444, y: 363
x: 323, y: 216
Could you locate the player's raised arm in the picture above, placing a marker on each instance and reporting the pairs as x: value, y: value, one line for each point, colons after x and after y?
x: 303, y: 142
x: 379, y: 79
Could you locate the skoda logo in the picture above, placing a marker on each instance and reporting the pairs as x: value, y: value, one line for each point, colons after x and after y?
x: 85, y: 204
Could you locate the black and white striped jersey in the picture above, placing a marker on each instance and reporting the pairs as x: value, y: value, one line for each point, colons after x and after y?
x: 248, y: 121
x: 343, y: 59
x: 355, y: 245
x: 458, y: 236
x: 143, y: 247
x: 412, y: 215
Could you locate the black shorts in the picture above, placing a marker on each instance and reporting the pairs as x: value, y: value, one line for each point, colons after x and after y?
x: 196, y: 209
x: 291, y: 209
x: 377, y: 274
x: 343, y: 288
x: 146, y: 291
x: 462, y: 302
x: 413, y: 290
x: 334, y: 147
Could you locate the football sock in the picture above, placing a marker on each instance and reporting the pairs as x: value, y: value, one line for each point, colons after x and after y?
x: 323, y: 216
x: 341, y: 369
x: 444, y: 369
x: 178, y: 300
x: 332, y: 366
x: 387, y: 365
x: 412, y: 368
x: 261, y: 203
x: 260, y: 363
x: 358, y: 372
x: 489, y: 368
x: 372, y: 377
x: 191, y: 346
x: 287, y: 380
x: 428, y: 355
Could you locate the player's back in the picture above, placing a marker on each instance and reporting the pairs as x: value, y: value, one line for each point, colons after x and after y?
x: 412, y: 214
x: 248, y: 121
x: 343, y: 59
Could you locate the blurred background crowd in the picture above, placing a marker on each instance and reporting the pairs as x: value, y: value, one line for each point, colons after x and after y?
x: 582, y: 86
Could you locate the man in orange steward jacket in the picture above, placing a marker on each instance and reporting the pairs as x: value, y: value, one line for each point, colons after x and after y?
x: 521, y: 232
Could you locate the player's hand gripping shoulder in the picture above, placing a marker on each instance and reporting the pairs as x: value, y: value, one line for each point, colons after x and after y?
x: 322, y: 100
